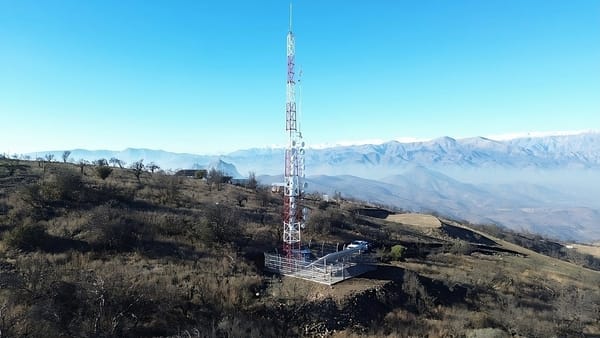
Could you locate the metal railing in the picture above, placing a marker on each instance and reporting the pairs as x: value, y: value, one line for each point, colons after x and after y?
x: 329, y: 269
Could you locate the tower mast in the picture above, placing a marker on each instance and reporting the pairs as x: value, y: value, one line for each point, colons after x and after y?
x: 293, y: 213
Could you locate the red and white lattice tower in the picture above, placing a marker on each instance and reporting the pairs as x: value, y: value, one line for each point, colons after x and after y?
x: 293, y: 212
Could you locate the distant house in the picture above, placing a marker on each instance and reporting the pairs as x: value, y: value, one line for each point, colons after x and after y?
x: 195, y: 173
x: 277, y: 188
x: 240, y: 181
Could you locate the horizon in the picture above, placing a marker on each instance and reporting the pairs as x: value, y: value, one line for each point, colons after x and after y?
x: 499, y: 138
x: 210, y: 77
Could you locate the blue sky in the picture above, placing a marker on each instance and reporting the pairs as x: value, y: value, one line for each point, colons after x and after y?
x: 209, y: 76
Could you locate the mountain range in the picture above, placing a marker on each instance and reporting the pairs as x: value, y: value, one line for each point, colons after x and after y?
x: 548, y: 185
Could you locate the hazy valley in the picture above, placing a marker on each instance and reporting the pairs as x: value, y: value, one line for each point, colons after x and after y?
x: 547, y: 185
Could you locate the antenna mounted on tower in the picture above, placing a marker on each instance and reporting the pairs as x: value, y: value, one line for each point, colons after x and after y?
x: 290, y: 16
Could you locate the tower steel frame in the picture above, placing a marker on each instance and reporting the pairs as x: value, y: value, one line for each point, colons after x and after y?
x: 293, y: 212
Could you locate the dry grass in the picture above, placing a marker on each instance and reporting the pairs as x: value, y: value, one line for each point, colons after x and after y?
x: 593, y: 250
x: 417, y: 220
x: 175, y: 276
x: 536, y: 266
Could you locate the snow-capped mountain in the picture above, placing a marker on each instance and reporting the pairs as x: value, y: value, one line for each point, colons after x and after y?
x: 381, y: 160
x: 377, y: 161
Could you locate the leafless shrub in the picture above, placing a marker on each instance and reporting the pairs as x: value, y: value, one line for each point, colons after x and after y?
x: 222, y: 224
x: 26, y: 237
x: 252, y: 182
x: 326, y: 221
x: 112, y: 229
x: 169, y: 189
x: 263, y: 196
x: 416, y: 292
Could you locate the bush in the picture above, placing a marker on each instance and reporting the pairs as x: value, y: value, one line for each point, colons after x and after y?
x: 103, y: 171
x: 26, y: 237
x: 64, y: 186
x: 320, y: 223
x: 397, y: 252
x: 323, y: 205
x: 44, y: 199
x: 113, y: 229
x: 221, y: 224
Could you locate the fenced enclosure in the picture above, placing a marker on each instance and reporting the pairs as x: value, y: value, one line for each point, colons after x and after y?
x: 323, y: 264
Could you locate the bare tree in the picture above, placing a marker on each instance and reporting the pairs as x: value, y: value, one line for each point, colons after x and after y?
x: 252, y: 183
x: 116, y: 162
x: 215, y: 177
x: 138, y: 168
x: 82, y: 163
x: 152, y: 167
x: 65, y: 155
x: 101, y: 162
x: 45, y: 163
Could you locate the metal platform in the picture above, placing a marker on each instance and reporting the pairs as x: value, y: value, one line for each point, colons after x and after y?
x: 329, y: 269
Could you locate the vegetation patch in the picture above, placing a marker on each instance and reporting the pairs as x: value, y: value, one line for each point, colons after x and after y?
x: 139, y: 253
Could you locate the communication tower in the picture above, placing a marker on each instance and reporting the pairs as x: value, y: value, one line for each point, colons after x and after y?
x: 293, y: 212
x: 332, y: 265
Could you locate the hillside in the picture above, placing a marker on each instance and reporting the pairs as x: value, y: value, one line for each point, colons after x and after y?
x: 546, y: 185
x: 165, y: 256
